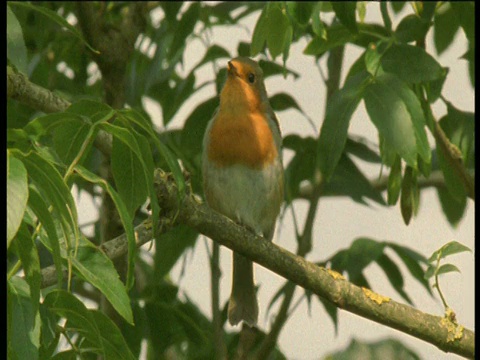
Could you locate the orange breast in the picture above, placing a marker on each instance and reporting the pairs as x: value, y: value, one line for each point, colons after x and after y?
x: 244, y: 140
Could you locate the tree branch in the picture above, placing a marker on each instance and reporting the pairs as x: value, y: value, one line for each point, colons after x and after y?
x: 435, y: 180
x: 322, y: 282
x: 21, y: 89
x: 454, y: 158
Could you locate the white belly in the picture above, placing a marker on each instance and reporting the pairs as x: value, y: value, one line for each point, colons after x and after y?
x: 245, y: 195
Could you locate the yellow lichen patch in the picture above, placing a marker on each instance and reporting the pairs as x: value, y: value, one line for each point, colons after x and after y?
x: 454, y: 330
x: 375, y: 297
x: 335, y: 274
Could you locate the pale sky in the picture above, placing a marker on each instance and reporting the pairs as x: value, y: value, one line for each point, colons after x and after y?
x: 339, y: 220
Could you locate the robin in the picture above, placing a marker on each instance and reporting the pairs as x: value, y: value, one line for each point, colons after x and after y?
x: 243, y: 172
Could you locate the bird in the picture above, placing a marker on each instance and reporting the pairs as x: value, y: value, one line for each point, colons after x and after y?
x: 243, y: 176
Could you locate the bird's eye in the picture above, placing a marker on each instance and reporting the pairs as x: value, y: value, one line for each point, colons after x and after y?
x: 251, y: 78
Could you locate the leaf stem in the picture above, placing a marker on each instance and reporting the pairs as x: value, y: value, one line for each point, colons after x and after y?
x: 437, y: 284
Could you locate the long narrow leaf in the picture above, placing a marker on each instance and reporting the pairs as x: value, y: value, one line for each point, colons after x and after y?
x: 166, y: 154
x: 23, y: 325
x: 96, y: 268
x: 50, y: 182
x: 123, y: 213
x: 37, y: 204
x: 17, y: 195
x: 28, y: 255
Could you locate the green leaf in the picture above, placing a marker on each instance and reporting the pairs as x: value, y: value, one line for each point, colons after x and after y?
x: 412, y: 261
x: 283, y: 101
x: 372, y: 59
x: 49, y: 336
x: 397, y: 114
x: 302, y: 165
x: 259, y: 33
x: 428, y: 10
x: 102, y: 336
x: 357, y: 66
x: 114, y: 344
x: 459, y: 126
x: 434, y: 88
x: 172, y: 93
x: 386, y: 348
x: 466, y: 15
x: 271, y: 68
x: 397, y: 6
x: 170, y: 246
x: 406, y: 199
x: 17, y: 195
x: 446, y: 268
x: 452, y: 181
x: 331, y: 310
x: 278, y: 25
x: 430, y: 272
x: 336, y: 36
x: 28, y: 255
x: 470, y: 57
x: 345, y: 12
x: 355, y: 259
x: 394, y: 276
x: 52, y: 15
x: 23, y: 322
x: 94, y: 266
x: 132, y: 175
x: 452, y: 208
x: 36, y: 202
x: 411, y: 64
x: 123, y: 213
x: 411, y: 28
x: 93, y: 110
x: 445, y: 26
x: 129, y: 175
x: 333, y: 134
x: 43, y: 125
x: 360, y: 148
x: 385, y: 16
x: 184, y: 28
x: 213, y: 53
x: 317, y: 25
x: 66, y: 305
x: 451, y: 248
x: 49, y: 181
x: 394, y: 182
x: 172, y: 163
x: 301, y: 11
x: 195, y: 125
x: 348, y: 180
x: 16, y: 49
x: 69, y: 137
x: 277, y: 296
x: 362, y: 11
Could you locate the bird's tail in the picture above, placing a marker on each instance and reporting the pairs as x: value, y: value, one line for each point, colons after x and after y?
x: 243, y: 301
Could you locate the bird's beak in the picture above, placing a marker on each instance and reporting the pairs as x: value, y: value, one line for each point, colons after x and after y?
x: 232, y: 70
